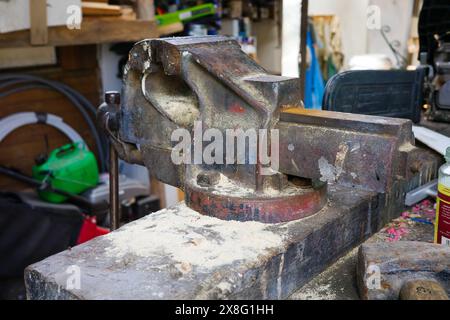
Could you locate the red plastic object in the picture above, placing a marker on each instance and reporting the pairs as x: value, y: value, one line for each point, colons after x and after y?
x: 90, y: 230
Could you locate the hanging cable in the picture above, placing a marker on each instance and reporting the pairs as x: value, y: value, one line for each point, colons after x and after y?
x: 22, y: 82
x: 401, y: 60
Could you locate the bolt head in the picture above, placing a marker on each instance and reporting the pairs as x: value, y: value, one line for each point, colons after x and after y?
x: 112, y: 97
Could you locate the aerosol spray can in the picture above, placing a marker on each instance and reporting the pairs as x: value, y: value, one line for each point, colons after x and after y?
x: 442, y: 225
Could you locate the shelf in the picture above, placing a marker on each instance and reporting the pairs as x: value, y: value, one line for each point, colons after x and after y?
x: 92, y: 31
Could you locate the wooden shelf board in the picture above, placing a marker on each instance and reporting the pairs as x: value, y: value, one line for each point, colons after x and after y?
x: 171, y: 28
x: 92, y: 31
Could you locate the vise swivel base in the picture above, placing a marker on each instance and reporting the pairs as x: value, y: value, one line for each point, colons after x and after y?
x: 248, y: 228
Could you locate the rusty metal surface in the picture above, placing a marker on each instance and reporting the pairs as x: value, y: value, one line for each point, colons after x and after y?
x: 358, y: 151
x: 170, y: 83
x: 235, y: 203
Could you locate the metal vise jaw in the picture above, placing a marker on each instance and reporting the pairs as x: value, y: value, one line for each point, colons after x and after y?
x: 201, y: 83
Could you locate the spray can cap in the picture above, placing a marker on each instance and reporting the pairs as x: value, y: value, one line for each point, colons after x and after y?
x: 447, y: 155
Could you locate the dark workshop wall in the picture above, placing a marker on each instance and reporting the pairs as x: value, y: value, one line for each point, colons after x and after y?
x: 77, y: 67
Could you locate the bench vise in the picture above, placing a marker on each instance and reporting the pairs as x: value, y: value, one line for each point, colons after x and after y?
x: 208, y: 87
x: 348, y: 174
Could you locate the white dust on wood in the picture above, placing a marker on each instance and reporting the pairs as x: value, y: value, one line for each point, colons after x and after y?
x: 191, y: 239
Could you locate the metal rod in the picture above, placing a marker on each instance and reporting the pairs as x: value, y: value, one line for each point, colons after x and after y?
x: 112, y: 100
x: 114, y: 188
x: 303, y: 35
